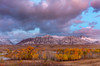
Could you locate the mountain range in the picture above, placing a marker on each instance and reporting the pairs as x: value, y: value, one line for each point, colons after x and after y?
x: 61, y: 40
x: 4, y: 41
x: 56, y: 40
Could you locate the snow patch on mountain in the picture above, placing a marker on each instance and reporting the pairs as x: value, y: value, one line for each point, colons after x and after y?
x: 59, y: 37
x: 91, y: 40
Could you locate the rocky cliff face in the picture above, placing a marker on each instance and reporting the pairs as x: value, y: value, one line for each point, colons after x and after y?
x: 4, y: 41
x: 53, y: 40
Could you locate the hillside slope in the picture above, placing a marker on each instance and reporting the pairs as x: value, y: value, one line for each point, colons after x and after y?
x: 47, y: 39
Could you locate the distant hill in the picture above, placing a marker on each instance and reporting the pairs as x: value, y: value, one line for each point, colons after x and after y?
x: 47, y: 39
x: 4, y: 41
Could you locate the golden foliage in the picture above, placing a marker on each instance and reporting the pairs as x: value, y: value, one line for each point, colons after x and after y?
x: 27, y: 53
x: 60, y: 54
x: 75, y: 53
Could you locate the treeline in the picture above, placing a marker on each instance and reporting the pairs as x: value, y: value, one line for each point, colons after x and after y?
x: 31, y: 53
x: 75, y: 54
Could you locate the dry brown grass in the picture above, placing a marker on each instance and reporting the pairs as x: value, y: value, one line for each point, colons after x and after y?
x: 48, y: 47
x: 85, y: 62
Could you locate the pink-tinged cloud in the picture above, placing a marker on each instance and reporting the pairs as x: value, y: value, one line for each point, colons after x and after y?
x: 51, y: 16
x: 96, y: 5
x: 78, y: 21
x: 92, y: 24
x: 89, y: 31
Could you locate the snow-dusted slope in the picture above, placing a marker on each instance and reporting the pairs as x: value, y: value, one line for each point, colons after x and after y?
x: 4, y: 41
x: 59, y: 37
x: 91, y: 40
x: 48, y: 39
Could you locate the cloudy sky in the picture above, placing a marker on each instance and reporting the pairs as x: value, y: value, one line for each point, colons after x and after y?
x: 20, y: 19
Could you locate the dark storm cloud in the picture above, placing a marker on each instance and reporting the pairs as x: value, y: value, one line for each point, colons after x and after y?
x: 50, y: 15
x: 96, y: 5
x: 8, y: 24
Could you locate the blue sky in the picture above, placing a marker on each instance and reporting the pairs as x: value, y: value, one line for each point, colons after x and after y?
x: 92, y: 17
x: 88, y: 16
x: 36, y: 1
